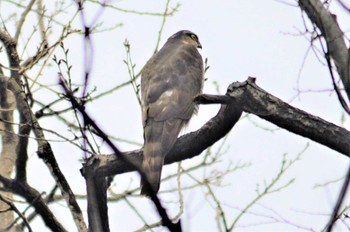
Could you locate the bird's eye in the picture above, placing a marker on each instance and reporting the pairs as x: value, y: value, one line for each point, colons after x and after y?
x: 193, y: 36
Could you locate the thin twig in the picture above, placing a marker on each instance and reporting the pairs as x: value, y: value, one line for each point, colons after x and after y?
x: 23, y: 18
x: 162, y: 26
x: 341, y: 197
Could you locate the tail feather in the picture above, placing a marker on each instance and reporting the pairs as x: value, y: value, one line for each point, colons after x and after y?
x: 160, y: 137
x: 152, y: 167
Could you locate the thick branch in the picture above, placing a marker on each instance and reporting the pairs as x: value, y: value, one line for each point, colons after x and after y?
x: 8, y: 144
x: 10, y: 45
x: 24, y: 128
x: 252, y: 99
x: 96, y: 188
x: 333, y: 35
x: 33, y: 197
x: 14, y: 208
x: 186, y: 147
x: 259, y: 102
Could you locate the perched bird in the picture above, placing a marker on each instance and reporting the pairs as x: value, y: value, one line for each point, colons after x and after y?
x: 170, y: 81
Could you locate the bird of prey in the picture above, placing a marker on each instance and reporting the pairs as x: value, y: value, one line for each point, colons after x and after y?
x: 170, y: 81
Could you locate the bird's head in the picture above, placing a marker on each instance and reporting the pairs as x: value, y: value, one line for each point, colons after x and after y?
x: 187, y: 37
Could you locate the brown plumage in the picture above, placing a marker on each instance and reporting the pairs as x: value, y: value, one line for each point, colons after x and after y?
x: 170, y: 81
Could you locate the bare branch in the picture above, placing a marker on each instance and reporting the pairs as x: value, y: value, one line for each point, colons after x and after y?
x: 33, y: 197
x: 45, y: 152
x: 170, y: 13
x: 333, y: 35
x: 212, y: 99
x: 14, y: 208
x: 245, y: 96
x: 259, y: 102
x: 125, y: 160
x: 162, y: 26
x: 342, y: 194
x: 8, y: 143
x: 23, y: 18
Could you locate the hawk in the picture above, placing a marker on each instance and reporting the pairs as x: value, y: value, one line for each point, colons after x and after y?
x: 170, y: 81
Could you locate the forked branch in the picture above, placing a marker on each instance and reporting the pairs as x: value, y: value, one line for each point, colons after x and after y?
x: 245, y: 96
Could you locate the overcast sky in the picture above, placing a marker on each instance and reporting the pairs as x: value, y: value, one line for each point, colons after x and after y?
x: 243, y: 38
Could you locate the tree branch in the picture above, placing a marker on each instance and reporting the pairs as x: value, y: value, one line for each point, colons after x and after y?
x: 45, y: 152
x: 327, y: 23
x: 14, y: 208
x: 259, y: 102
x: 335, y: 214
x: 9, y: 141
x: 245, y: 96
x: 33, y: 197
x: 93, y: 185
x: 23, y: 18
x: 96, y: 188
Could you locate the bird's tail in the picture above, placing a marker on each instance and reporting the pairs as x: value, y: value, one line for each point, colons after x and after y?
x: 152, y: 167
x: 160, y: 137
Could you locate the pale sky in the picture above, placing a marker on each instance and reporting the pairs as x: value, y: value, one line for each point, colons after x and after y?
x: 240, y: 39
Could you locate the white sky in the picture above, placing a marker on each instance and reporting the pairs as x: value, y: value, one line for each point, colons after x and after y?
x: 240, y: 39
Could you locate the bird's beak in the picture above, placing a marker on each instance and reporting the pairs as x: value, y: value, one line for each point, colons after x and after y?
x: 199, y: 45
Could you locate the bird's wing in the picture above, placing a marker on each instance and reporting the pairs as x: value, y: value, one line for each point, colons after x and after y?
x: 170, y: 84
